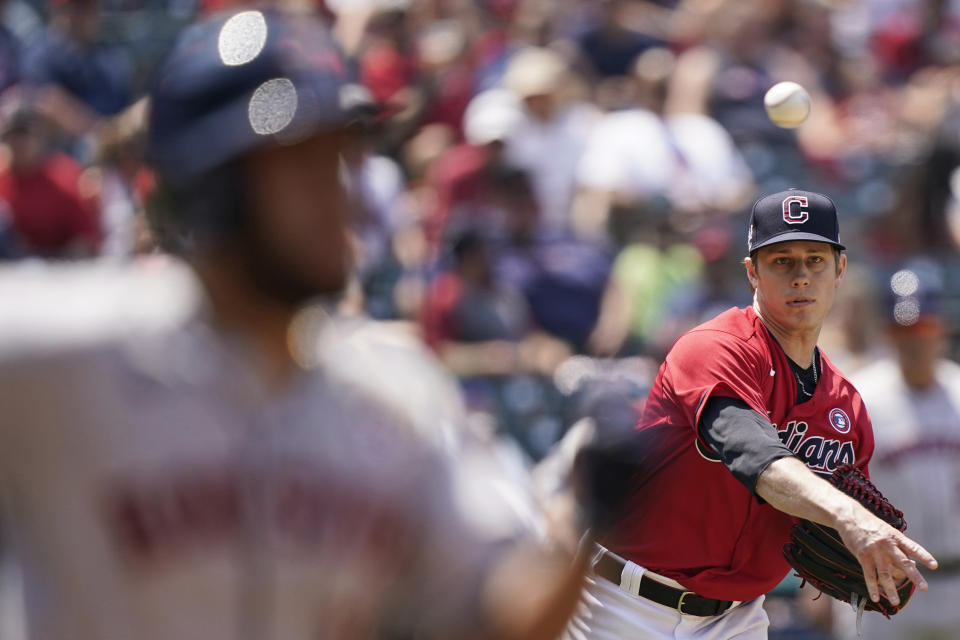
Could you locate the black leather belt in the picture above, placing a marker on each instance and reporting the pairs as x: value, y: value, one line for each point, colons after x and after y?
x: 610, y: 567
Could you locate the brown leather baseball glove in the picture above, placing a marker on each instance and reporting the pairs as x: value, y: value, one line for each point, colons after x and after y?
x: 819, y: 556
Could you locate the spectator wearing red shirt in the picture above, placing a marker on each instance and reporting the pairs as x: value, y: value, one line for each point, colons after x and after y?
x: 480, y: 327
x: 461, y: 177
x: 51, y: 215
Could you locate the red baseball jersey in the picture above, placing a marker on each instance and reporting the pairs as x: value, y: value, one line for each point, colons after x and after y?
x: 690, y: 519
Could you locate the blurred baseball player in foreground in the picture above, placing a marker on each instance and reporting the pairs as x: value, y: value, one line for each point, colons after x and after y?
x: 744, y: 415
x: 914, y: 398
x: 179, y: 459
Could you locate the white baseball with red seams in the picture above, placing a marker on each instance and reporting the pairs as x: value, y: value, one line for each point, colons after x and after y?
x: 787, y: 104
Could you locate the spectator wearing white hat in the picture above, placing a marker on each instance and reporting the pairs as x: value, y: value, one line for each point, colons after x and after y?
x: 647, y: 151
x: 461, y: 177
x: 551, y: 136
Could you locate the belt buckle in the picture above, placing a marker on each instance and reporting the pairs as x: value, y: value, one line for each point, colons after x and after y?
x: 680, y: 603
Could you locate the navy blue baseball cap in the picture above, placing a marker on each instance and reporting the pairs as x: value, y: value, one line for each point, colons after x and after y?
x: 241, y: 80
x: 793, y: 215
x: 914, y: 295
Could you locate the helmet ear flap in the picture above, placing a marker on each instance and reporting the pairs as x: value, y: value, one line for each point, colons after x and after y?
x: 203, y: 212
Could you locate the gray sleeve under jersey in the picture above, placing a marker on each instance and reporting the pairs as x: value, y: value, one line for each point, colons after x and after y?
x: 744, y: 440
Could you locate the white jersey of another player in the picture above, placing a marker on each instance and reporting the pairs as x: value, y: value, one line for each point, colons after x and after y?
x: 155, y: 488
x: 492, y: 484
x: 916, y: 464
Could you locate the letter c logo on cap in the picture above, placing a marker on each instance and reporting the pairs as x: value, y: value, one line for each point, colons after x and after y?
x: 798, y: 215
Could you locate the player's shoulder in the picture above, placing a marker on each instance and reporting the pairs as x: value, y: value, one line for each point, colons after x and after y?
x: 878, y: 377
x: 352, y: 345
x: 948, y: 373
x: 730, y: 338
x: 391, y: 365
x: 55, y: 308
x: 875, y: 379
x: 738, y: 325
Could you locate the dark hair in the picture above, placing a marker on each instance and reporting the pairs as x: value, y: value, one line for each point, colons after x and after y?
x: 511, y: 180
x: 210, y: 207
x: 466, y: 243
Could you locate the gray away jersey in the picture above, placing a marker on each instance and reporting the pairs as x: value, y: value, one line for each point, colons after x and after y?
x: 154, y: 489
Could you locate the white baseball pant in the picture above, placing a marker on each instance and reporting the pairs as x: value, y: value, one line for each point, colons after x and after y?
x: 609, y: 612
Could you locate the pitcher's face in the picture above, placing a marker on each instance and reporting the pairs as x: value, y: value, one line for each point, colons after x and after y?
x: 796, y: 282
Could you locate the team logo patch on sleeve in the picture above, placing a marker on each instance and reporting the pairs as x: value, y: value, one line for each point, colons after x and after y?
x: 839, y: 420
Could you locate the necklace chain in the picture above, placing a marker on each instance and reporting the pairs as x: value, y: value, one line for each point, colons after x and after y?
x: 803, y: 387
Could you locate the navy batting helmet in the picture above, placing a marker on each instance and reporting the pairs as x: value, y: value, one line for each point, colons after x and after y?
x: 230, y: 84
x: 915, y: 294
x: 238, y: 81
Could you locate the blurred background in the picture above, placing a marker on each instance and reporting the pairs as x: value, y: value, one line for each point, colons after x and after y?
x: 548, y: 192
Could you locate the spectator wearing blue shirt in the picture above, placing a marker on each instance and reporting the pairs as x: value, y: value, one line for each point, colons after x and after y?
x: 85, y: 77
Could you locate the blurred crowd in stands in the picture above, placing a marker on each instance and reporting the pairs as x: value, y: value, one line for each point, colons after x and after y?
x: 540, y: 186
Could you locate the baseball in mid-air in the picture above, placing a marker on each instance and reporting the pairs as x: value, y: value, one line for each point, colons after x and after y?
x: 787, y: 104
